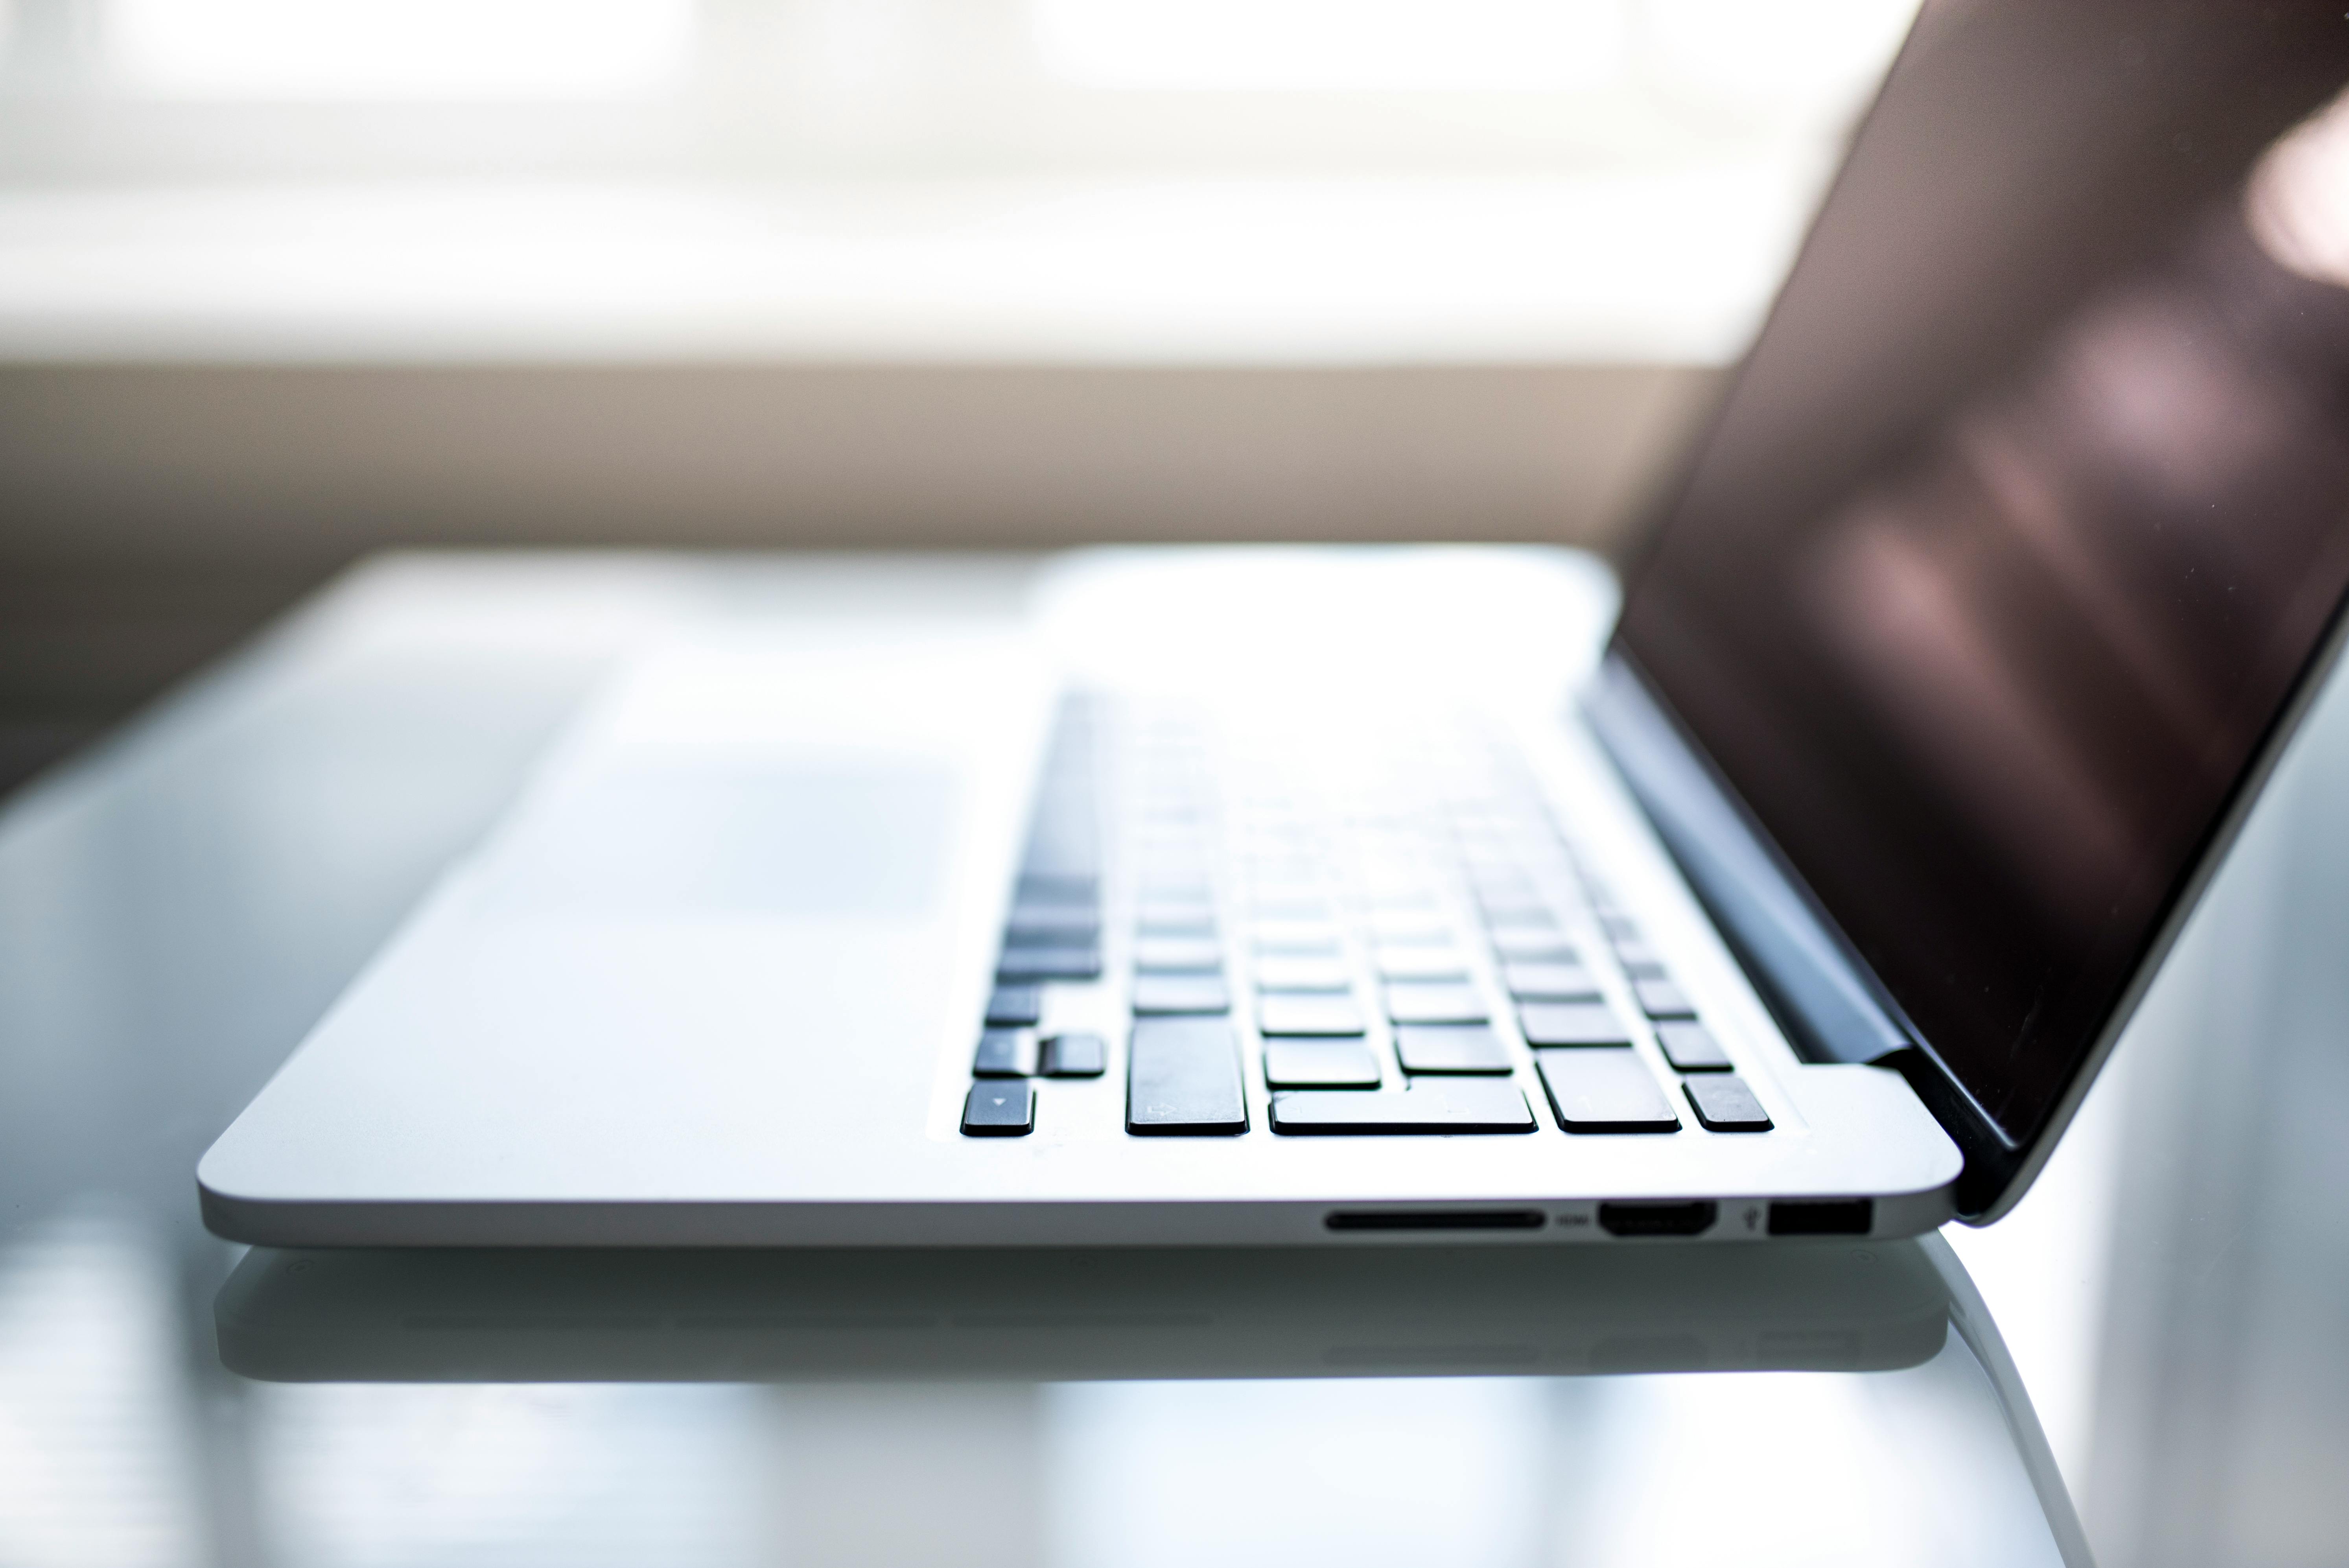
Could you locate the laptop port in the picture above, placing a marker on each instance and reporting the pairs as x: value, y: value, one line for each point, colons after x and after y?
x: 1435, y: 1219
x: 1688, y: 1218
x: 1822, y: 1217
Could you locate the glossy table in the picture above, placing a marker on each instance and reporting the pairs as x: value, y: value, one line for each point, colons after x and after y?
x: 176, y: 910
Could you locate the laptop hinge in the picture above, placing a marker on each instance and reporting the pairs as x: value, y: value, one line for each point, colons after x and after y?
x: 1829, y: 1009
x: 1829, y: 1006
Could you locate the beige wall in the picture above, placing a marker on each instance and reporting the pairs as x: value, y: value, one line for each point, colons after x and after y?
x: 308, y: 465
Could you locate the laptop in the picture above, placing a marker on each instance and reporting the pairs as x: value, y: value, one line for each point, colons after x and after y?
x: 1360, y: 898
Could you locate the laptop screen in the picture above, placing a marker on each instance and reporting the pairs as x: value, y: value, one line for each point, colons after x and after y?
x: 2029, y: 510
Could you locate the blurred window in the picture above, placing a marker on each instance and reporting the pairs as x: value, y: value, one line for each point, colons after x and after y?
x: 331, y: 49
x: 1527, y: 179
x: 204, y: 88
x: 1333, y: 45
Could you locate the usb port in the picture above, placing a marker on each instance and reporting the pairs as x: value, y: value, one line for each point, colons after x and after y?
x: 1822, y: 1217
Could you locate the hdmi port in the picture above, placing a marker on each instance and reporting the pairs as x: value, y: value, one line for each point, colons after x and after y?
x: 1688, y: 1218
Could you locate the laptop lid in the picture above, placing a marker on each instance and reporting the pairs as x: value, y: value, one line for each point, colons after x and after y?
x: 2016, y: 544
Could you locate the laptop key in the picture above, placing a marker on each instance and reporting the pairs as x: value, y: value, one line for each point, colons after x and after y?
x: 1571, y: 1024
x: 1309, y: 1015
x: 1320, y: 1064
x: 1051, y: 926
x: 1409, y: 930
x: 1177, y: 955
x: 1049, y: 887
x: 1689, y: 1047
x: 1004, y: 1054
x: 1421, y: 964
x: 1183, y: 1079
x: 999, y: 1110
x: 1296, y: 938
x: 1290, y: 909
x: 1450, y: 1048
x: 1638, y: 959
x: 1175, y: 920
x: 1436, y: 1004
x: 1724, y: 1104
x: 1532, y: 947
x: 1157, y: 995
x: 1662, y: 999
x: 1307, y: 974
x: 1503, y: 889
x: 1015, y: 1007
x: 1608, y: 1091
x: 1074, y: 1057
x: 1549, y: 982
x: 1464, y: 1106
x: 1024, y: 964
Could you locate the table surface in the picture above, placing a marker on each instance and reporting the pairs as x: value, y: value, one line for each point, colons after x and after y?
x: 178, y: 906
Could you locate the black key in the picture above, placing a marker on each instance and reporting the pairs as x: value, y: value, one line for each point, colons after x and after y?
x: 1047, y: 887
x: 1178, y: 955
x: 1409, y: 930
x: 1436, y: 1004
x: 1639, y: 961
x: 1292, y: 939
x: 1169, y: 994
x: 999, y: 1110
x: 1051, y: 926
x: 1496, y: 909
x: 1175, y: 920
x: 1309, y: 1015
x: 1004, y: 1054
x: 1018, y: 964
x: 1662, y: 999
x: 1320, y: 1064
x: 1015, y: 1007
x: 1182, y: 1078
x: 1421, y: 964
x: 1074, y: 1057
x: 1290, y: 909
x: 1307, y: 974
x: 1608, y: 1091
x: 1450, y: 1048
x: 1549, y: 982
x: 1689, y: 1047
x: 1571, y: 1024
x: 1724, y: 1104
x: 1532, y: 947
x: 1464, y: 1106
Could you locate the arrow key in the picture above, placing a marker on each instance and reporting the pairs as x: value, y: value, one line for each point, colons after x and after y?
x: 1000, y: 1110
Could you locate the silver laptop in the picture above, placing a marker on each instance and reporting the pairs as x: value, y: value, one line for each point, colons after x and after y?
x: 1352, y: 897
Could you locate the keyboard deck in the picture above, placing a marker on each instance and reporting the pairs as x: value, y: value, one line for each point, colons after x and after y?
x: 1385, y: 925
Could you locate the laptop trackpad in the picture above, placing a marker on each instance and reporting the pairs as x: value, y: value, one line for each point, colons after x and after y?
x: 763, y: 837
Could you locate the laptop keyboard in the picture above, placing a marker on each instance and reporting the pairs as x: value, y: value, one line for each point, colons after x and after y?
x: 1384, y: 935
